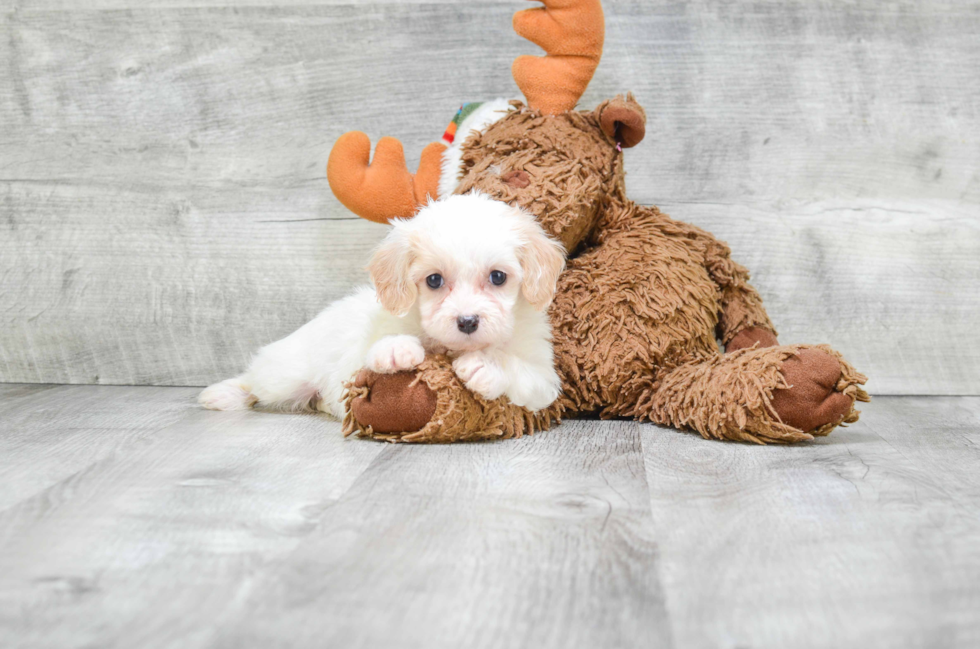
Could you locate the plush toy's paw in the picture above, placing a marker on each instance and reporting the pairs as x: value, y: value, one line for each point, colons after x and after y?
x: 814, y: 399
x: 749, y: 337
x: 392, y: 403
x: 395, y: 354
x: 481, y: 375
x: 431, y: 404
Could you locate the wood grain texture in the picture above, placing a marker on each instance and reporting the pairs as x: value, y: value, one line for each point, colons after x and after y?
x: 543, y: 542
x: 164, y: 210
x: 49, y: 433
x: 868, y: 538
x: 267, y: 530
x: 152, y: 544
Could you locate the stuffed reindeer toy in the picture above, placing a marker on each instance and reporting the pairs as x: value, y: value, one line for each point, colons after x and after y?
x: 644, y: 300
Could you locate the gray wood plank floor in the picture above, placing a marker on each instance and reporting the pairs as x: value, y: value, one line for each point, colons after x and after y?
x: 129, y: 517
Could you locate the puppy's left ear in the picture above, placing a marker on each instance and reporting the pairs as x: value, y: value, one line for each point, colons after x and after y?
x: 542, y: 260
x: 389, y: 268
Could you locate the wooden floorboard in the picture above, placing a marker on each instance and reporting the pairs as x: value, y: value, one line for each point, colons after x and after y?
x: 868, y: 538
x: 524, y: 543
x: 186, y: 528
x: 48, y: 433
x: 151, y: 545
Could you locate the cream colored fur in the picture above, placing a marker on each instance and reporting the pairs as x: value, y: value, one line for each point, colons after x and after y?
x: 389, y: 328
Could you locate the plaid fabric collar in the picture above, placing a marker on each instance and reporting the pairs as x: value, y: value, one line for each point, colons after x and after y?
x: 464, y: 111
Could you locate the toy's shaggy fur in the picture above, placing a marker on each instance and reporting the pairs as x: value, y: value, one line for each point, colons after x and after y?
x: 638, y: 312
x: 458, y: 414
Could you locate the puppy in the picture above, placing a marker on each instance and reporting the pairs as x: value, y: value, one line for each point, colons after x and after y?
x: 468, y: 276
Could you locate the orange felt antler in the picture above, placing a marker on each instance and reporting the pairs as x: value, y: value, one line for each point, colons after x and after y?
x: 571, y: 32
x: 384, y: 188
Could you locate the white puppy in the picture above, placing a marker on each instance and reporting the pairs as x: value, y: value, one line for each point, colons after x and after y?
x: 467, y: 276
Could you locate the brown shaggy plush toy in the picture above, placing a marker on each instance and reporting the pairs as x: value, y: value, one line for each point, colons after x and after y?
x: 644, y: 301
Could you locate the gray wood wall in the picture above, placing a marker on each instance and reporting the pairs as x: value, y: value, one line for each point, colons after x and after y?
x: 164, y: 209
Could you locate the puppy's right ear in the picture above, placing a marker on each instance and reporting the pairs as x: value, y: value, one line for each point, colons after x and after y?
x: 542, y: 260
x: 389, y: 268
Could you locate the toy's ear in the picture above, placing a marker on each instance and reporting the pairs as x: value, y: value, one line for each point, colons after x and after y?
x: 389, y: 268
x: 623, y: 120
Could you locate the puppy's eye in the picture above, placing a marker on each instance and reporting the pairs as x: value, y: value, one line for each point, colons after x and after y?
x: 497, y: 277
x: 434, y: 281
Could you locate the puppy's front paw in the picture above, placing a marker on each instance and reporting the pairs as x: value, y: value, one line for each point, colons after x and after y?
x: 543, y: 397
x: 481, y: 375
x: 395, y: 354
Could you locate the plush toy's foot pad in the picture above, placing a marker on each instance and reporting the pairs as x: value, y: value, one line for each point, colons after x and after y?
x: 392, y: 403
x: 813, y: 400
x: 782, y: 395
x: 431, y: 404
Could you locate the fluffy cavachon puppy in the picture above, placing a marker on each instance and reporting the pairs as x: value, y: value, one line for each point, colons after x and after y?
x: 468, y: 276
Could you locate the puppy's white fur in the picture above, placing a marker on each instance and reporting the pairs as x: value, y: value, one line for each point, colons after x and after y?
x: 391, y: 327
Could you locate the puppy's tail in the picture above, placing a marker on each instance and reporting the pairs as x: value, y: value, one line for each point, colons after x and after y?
x: 232, y: 394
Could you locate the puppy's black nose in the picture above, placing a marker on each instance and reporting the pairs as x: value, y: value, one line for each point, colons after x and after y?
x: 468, y: 323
